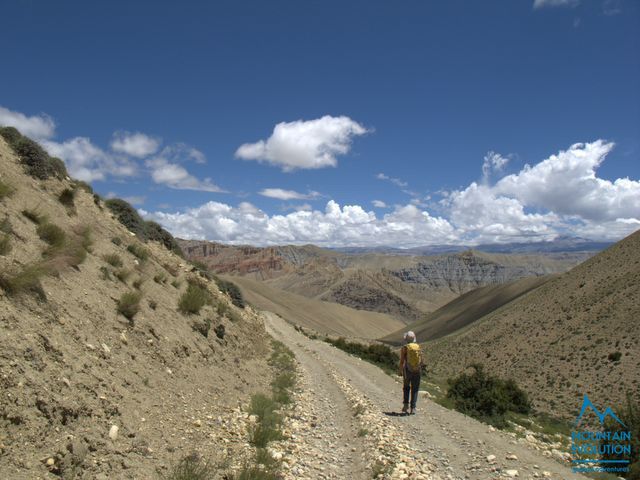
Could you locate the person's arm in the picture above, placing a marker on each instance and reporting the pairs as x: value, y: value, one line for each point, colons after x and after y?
x: 403, y: 360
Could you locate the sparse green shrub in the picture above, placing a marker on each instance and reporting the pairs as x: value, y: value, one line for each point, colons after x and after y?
x: 67, y: 198
x: 5, y: 244
x: 614, y: 356
x: 219, y: 331
x: 35, y: 216
x: 138, y: 251
x: 380, y: 355
x: 249, y: 472
x: 137, y: 283
x: 122, y: 274
x: 36, y: 161
x: 160, y: 278
x: 487, y: 397
x: 232, y: 290
x: 191, y: 467
x: 155, y: 232
x: 26, y: 280
x: 222, y: 308
x: 97, y: 201
x: 10, y: 134
x: 113, y: 259
x: 116, y: 241
x: 106, y: 274
x: 5, y: 226
x: 84, y: 186
x: 6, y: 190
x: 145, y: 230
x: 129, y: 304
x: 175, y: 284
x: 202, y: 327
x: 52, y: 234
x: 193, y: 299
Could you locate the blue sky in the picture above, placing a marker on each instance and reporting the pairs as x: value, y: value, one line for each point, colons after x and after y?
x: 387, y: 112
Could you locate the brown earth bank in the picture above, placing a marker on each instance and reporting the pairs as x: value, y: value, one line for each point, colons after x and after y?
x: 576, y: 334
x: 85, y: 392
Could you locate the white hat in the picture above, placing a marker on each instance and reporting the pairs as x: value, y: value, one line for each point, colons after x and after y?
x: 410, y: 336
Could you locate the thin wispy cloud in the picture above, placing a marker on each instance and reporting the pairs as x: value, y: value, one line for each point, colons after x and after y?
x: 301, y: 144
x: 537, y: 4
x: 282, y: 194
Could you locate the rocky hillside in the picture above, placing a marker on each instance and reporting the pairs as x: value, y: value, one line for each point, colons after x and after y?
x: 105, y: 370
x: 576, y: 334
x: 406, y: 287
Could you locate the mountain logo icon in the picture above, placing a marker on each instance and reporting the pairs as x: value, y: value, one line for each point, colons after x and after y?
x: 586, y: 403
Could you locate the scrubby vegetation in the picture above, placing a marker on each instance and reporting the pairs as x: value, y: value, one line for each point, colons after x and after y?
x: 145, y: 230
x: 34, y: 215
x: 35, y: 159
x: 26, y: 280
x: 380, y: 355
x: 113, y: 259
x: 52, y: 234
x: 630, y: 416
x: 194, y: 298
x: 122, y: 274
x: 129, y: 304
x: 6, y: 190
x: 487, y: 397
x: 160, y: 278
x: 138, y: 251
x: 232, y: 290
x: 191, y: 467
x: 67, y: 198
x: 5, y: 244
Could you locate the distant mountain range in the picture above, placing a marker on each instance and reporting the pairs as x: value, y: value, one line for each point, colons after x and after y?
x: 558, y: 245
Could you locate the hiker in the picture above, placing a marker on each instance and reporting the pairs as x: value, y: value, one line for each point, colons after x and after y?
x: 411, y: 362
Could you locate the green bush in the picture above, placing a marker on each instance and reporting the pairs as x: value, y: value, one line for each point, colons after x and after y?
x: 116, y: 241
x: 137, y: 283
x: 129, y: 304
x: 67, y: 198
x: 629, y: 414
x: 202, y: 327
x: 155, y: 232
x: 35, y: 216
x: 160, y: 278
x: 380, y: 355
x: 122, y: 274
x: 232, y: 290
x: 191, y: 467
x: 5, y: 244
x: 36, y: 161
x: 6, y: 190
x: 84, y: 186
x: 487, y: 397
x: 138, y: 251
x: 52, y: 234
x: 615, y: 356
x: 26, y: 280
x: 5, y: 226
x: 194, y: 298
x: 113, y: 259
x: 219, y: 331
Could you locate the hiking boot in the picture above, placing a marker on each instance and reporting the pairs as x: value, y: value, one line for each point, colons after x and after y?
x: 405, y: 409
x: 412, y: 412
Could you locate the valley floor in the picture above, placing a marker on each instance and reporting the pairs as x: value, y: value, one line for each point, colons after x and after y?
x: 345, y: 425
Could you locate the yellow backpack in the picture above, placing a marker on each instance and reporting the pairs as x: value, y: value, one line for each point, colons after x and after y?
x: 414, y: 357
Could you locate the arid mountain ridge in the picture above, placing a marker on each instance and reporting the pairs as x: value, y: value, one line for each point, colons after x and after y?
x: 405, y: 286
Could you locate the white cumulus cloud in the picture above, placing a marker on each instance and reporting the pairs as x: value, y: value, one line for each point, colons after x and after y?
x: 135, y: 144
x: 303, y: 144
x: 379, y: 204
x: 281, y: 194
x: 166, y: 170
x: 37, y: 127
x: 493, y: 162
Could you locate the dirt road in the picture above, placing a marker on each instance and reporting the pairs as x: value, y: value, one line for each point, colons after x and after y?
x: 348, y: 425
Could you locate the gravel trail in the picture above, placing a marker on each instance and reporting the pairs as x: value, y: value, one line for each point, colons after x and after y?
x: 358, y: 433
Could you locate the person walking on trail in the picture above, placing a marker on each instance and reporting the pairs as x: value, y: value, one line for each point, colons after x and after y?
x: 411, y: 362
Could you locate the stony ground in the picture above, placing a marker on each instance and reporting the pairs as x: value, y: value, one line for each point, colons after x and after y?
x: 345, y: 424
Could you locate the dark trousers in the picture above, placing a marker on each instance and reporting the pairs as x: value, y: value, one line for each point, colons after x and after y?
x: 411, y: 386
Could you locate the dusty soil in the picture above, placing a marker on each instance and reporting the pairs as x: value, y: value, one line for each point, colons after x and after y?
x: 434, y: 444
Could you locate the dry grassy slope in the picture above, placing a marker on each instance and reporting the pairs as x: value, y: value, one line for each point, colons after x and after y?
x: 72, y: 367
x: 323, y: 317
x: 466, y: 309
x: 556, y: 339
